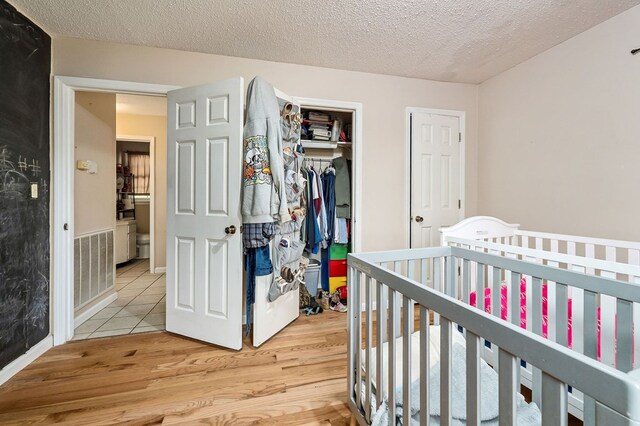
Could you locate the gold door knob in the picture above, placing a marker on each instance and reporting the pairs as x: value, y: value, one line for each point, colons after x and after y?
x: 419, y: 219
x: 230, y: 230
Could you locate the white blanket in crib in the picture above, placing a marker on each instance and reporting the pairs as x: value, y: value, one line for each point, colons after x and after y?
x: 527, y: 414
x: 434, y: 355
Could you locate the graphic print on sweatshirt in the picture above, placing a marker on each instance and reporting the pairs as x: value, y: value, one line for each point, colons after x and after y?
x: 256, y: 161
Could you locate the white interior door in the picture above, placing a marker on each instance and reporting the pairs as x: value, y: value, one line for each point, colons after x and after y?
x: 271, y: 317
x: 204, y: 245
x: 435, y: 176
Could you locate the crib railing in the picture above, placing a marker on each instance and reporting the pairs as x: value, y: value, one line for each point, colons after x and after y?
x: 590, y: 266
x: 589, y: 247
x: 399, y: 281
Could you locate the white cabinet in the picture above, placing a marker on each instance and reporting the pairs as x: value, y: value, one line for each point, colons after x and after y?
x: 125, y: 244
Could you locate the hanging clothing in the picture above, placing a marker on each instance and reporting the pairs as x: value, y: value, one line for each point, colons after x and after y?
x: 263, y: 191
x: 342, y: 188
x: 322, y: 215
x: 324, y: 269
x: 257, y: 263
x: 342, y: 236
x: 256, y: 235
x: 312, y: 229
x: 328, y: 186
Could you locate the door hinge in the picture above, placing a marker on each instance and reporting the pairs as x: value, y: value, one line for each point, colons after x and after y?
x: 459, y: 137
x: 459, y: 204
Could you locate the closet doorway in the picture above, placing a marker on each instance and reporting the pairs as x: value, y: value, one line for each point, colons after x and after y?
x: 435, y: 173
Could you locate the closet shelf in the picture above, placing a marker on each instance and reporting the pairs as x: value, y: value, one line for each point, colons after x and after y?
x: 324, y: 144
x: 319, y: 144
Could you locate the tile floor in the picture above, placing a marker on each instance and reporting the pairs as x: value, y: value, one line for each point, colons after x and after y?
x: 140, y: 305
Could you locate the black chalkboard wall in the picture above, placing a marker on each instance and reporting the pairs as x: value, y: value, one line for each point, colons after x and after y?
x: 25, y: 65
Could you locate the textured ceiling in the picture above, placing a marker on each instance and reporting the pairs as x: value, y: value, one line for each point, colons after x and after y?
x: 449, y: 40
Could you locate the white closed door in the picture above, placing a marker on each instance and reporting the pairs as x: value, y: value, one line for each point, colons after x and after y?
x: 435, y: 176
x: 204, y: 245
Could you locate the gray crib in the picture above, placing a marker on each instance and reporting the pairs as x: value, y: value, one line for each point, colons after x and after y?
x: 389, y: 292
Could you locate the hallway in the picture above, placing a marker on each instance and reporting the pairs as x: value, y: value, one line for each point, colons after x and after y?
x: 140, y: 306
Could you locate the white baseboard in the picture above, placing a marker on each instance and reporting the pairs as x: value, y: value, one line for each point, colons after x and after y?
x: 26, y: 359
x: 94, y: 309
x: 160, y: 270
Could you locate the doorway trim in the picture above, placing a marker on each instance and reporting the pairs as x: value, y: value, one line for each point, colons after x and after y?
x: 151, y: 140
x: 461, y: 116
x: 62, y: 210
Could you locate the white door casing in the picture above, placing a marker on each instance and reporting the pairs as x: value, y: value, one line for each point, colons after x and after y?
x: 436, y: 176
x: 204, y: 255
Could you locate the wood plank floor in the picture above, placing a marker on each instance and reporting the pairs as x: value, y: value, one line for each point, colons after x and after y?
x: 298, y: 377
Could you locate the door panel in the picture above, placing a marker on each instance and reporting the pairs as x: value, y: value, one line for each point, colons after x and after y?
x: 271, y: 317
x: 435, y: 176
x: 204, y: 262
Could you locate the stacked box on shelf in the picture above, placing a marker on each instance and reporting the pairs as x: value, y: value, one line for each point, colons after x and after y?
x: 338, y: 266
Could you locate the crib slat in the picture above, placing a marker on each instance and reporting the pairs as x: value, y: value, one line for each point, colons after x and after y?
x: 634, y: 259
x: 624, y: 335
x: 608, y: 320
x: 424, y: 272
x: 515, y: 298
x: 445, y: 372
x: 480, y: 287
x: 437, y: 283
x: 465, y: 281
x: 398, y: 269
x: 610, y: 253
x: 590, y: 253
x: 496, y: 305
x: 358, y: 334
x: 391, y: 368
x: 381, y: 337
x: 536, y: 327
x: 554, y: 401
x: 508, y: 388
x: 562, y: 297
x: 407, y: 323
x: 496, y: 309
x: 473, y: 379
x: 367, y: 346
x: 450, y: 276
x: 590, y: 337
x: 351, y: 327
x: 590, y: 324
x: 424, y: 365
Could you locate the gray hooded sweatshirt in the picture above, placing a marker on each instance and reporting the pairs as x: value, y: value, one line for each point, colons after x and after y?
x: 263, y: 189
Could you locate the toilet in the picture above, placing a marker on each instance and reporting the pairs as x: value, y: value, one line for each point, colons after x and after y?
x: 142, y: 243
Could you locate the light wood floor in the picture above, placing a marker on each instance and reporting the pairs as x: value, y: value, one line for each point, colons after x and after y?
x: 298, y: 377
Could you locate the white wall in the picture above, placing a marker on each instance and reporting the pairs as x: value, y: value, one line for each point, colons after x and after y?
x: 560, y: 136
x: 384, y: 101
x: 95, y: 135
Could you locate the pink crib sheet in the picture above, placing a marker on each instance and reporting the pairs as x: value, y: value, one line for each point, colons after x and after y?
x: 523, y: 309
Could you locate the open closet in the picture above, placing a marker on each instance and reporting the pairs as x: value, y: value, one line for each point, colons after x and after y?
x: 327, y: 136
x: 213, y: 139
